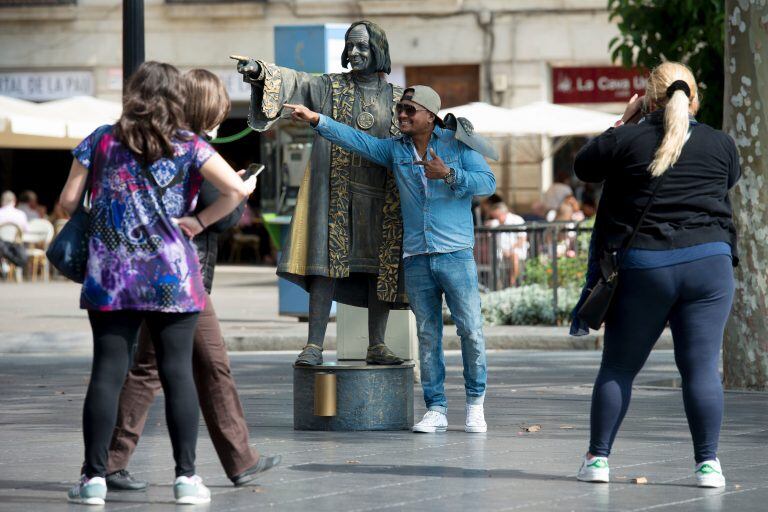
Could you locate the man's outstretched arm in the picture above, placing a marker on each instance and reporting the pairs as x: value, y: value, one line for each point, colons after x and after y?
x: 370, y: 147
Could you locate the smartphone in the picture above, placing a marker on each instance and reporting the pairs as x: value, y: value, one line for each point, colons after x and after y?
x: 253, y: 170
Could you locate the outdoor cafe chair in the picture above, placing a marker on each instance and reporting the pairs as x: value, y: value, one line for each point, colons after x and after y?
x: 37, y: 238
x: 11, y: 233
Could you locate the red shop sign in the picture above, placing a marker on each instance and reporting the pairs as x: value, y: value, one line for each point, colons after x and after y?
x: 596, y: 85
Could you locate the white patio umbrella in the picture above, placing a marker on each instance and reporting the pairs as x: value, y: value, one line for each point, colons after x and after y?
x: 21, y: 124
x: 59, y: 124
x: 82, y: 114
x: 539, y: 118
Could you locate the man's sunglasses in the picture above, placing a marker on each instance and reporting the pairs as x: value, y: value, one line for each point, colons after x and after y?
x: 409, y: 110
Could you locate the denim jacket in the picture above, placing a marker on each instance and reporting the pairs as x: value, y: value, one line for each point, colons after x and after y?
x: 437, y: 218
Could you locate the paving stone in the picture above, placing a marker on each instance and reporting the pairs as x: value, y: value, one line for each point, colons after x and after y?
x: 505, y: 469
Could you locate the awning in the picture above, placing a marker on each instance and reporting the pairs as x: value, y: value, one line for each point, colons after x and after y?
x: 539, y: 118
x: 59, y: 124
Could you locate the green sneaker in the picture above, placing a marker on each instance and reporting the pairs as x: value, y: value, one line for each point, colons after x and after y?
x: 88, y: 491
x: 594, y: 470
x: 709, y: 474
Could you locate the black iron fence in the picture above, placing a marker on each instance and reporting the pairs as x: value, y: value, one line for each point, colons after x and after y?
x: 552, y: 254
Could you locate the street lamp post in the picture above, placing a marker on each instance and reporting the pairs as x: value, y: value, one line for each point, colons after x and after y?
x: 133, y: 36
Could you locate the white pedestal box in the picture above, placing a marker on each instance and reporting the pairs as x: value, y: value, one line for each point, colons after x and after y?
x: 352, y: 334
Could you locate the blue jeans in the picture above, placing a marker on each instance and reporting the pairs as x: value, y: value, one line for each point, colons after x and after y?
x: 427, y: 278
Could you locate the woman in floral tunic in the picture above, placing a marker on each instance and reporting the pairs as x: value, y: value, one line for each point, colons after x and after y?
x: 144, y: 174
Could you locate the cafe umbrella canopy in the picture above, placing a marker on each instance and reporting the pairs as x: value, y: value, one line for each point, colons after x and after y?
x: 541, y: 120
x: 59, y: 124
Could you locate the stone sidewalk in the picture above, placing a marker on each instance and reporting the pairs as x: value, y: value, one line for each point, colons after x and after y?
x: 504, y: 470
x: 40, y: 318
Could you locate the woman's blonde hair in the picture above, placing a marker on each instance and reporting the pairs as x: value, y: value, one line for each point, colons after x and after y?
x: 676, y: 110
x: 206, y: 104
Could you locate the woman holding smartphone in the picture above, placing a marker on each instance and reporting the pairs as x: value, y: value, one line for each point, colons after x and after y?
x: 144, y: 175
x: 206, y: 106
x: 679, y: 267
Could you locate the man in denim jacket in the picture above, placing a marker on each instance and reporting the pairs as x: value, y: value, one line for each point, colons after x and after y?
x: 437, y: 176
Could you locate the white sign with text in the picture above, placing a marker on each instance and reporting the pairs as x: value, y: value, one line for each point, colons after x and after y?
x: 46, y: 85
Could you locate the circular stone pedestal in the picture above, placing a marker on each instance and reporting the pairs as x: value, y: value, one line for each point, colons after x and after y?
x: 368, y: 397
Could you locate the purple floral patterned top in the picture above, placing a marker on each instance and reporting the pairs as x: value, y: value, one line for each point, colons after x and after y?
x: 138, y: 259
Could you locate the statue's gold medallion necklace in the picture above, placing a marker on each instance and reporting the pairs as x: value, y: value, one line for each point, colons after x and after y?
x: 365, y: 119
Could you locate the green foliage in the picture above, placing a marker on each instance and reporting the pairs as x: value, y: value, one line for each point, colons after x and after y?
x: 571, y: 271
x: 688, y: 31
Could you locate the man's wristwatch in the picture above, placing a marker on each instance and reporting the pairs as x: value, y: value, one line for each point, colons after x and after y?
x: 450, y: 178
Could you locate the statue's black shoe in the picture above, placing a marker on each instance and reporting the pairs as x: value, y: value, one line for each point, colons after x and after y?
x: 312, y: 355
x: 264, y: 463
x: 380, y: 354
x: 123, y: 481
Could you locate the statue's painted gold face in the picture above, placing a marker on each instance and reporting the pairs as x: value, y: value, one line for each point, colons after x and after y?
x: 359, y: 49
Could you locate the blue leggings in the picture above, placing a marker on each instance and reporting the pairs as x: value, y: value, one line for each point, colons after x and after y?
x: 696, y: 299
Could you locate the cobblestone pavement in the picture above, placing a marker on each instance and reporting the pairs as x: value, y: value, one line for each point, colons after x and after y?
x: 505, y: 469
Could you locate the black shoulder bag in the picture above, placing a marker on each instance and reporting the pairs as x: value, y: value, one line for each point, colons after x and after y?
x: 68, y: 252
x: 597, y: 303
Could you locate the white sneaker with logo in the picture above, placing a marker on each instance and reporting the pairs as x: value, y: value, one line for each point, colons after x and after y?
x: 433, y: 421
x: 88, y: 491
x: 594, y: 469
x: 709, y: 474
x: 475, y: 419
x: 189, y: 490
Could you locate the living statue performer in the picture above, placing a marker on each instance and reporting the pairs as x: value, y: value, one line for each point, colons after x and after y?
x: 345, y: 241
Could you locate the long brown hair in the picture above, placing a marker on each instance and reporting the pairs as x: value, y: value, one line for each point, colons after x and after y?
x: 206, y: 102
x: 153, y: 111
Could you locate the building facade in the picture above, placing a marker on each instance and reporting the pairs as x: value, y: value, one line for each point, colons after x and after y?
x: 498, y: 51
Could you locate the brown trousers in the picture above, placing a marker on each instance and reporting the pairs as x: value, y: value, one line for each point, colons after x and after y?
x: 216, y: 390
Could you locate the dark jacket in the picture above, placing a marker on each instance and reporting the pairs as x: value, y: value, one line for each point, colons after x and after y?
x: 207, y: 241
x: 692, y: 206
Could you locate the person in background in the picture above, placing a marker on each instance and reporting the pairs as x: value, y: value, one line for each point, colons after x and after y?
x: 678, y: 269
x: 206, y: 105
x: 144, y: 174
x: 589, y: 206
x: 558, y: 191
x: 487, y: 203
x: 28, y: 204
x: 510, y: 245
x: 9, y: 214
x: 569, y: 210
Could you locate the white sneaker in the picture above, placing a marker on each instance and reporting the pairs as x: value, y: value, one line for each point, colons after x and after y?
x: 709, y: 474
x: 475, y: 419
x: 433, y: 421
x: 594, y: 469
x: 189, y: 490
x: 88, y: 491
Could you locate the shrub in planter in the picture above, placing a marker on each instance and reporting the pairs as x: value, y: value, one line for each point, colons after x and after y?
x: 529, y: 305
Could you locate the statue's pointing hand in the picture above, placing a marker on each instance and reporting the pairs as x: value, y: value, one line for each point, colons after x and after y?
x: 249, y: 68
x: 434, y: 169
x: 302, y: 113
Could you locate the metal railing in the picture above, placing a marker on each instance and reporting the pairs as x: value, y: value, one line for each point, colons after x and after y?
x: 531, y: 253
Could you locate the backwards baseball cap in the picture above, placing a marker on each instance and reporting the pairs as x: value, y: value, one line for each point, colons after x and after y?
x: 427, y: 98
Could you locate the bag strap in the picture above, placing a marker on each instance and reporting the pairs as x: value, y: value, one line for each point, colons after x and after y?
x: 628, y: 243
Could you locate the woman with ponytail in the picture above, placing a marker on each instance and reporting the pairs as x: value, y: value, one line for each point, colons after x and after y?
x: 678, y: 267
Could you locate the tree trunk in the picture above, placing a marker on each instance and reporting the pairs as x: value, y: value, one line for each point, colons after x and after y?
x: 745, y: 117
